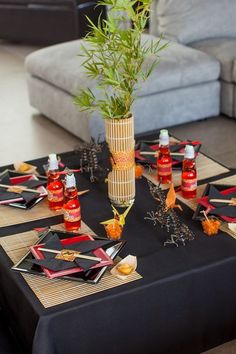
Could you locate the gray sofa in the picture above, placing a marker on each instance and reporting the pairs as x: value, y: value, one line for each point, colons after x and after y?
x: 206, y: 25
x: 184, y: 87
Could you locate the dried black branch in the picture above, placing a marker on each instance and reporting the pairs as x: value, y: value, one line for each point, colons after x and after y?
x: 168, y: 218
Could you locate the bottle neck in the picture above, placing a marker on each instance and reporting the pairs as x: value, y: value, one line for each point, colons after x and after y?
x: 53, y: 175
x: 189, y: 164
x: 164, y: 149
x: 71, y: 192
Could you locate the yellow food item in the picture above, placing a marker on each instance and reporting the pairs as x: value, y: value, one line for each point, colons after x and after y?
x: 24, y: 167
x: 125, y: 268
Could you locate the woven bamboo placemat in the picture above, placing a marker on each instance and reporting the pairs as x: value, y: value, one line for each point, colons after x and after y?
x: 192, y: 203
x: 15, y: 216
x: 52, y: 292
x: 206, y: 168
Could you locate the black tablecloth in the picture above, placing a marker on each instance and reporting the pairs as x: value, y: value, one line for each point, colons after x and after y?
x: 185, y: 303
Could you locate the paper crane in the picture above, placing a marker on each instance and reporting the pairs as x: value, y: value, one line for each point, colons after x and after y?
x: 171, y: 199
x: 117, y: 216
x: 114, y: 227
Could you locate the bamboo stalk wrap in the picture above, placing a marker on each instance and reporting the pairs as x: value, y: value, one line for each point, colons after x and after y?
x: 121, y: 180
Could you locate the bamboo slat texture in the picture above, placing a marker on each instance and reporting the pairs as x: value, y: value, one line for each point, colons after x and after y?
x: 120, y: 139
x: 14, y: 216
x: 192, y: 203
x: 206, y: 168
x: 52, y: 292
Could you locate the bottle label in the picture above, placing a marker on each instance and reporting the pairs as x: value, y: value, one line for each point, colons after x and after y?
x: 56, y: 195
x: 189, y: 184
x: 72, y: 215
x: 164, y: 169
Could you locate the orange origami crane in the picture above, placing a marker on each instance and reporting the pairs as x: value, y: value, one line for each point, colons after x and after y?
x: 114, y: 227
x: 171, y: 199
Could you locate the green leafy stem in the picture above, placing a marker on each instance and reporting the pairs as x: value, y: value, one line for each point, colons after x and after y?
x: 115, y: 57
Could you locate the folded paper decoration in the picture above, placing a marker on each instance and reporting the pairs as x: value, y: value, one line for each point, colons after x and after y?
x: 25, y: 198
x: 225, y: 211
x: 85, y: 244
x: 152, y: 146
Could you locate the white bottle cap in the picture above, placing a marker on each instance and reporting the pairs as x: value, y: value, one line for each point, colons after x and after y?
x: 52, y: 162
x: 70, y: 180
x: 164, y: 137
x: 189, y: 152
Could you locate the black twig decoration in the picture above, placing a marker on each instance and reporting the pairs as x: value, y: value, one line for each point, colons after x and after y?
x: 167, y: 217
x: 89, y: 158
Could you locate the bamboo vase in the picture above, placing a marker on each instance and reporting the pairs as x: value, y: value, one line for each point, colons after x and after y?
x: 121, y: 180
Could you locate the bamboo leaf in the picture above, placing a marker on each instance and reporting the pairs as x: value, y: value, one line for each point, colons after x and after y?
x: 115, y: 56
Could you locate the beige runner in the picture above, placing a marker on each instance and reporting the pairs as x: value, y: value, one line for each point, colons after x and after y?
x: 51, y: 292
x: 15, y: 216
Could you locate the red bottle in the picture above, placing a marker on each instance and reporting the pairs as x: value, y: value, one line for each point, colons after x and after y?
x: 54, y: 186
x: 164, y: 160
x: 71, y: 207
x: 189, y: 173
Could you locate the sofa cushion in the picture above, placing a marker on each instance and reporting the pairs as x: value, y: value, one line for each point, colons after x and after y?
x: 193, y: 20
x: 180, y: 66
x: 223, y: 50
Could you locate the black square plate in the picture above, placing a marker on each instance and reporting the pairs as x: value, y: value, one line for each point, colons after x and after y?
x: 23, y: 204
x: 91, y: 276
x: 220, y: 187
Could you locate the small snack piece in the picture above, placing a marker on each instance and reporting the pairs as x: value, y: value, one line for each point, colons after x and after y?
x: 138, y: 171
x: 23, y: 167
x: 211, y: 226
x: 125, y: 268
x: 114, y: 230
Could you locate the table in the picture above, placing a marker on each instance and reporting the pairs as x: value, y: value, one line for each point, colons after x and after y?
x: 185, y: 302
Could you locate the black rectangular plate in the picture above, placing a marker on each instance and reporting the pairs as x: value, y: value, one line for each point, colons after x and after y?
x: 91, y: 276
x: 23, y: 204
x: 197, y: 214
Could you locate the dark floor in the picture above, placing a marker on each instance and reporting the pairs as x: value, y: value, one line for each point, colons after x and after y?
x: 218, y: 137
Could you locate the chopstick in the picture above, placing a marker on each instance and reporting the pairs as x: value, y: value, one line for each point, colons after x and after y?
x: 155, y: 153
x: 23, y: 188
x: 83, y: 192
x: 77, y: 255
x: 226, y: 201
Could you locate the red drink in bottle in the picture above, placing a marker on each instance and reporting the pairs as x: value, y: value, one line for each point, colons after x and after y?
x: 164, y: 160
x: 54, y: 186
x: 71, y: 207
x: 189, y: 174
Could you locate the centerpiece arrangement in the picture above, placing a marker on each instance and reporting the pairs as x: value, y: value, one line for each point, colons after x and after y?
x: 119, y: 59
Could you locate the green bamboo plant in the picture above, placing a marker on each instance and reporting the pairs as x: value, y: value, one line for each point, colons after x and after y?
x: 115, y: 56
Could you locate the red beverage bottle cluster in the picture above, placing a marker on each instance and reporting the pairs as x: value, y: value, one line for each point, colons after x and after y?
x: 164, y: 160
x: 71, y: 207
x: 54, y: 185
x: 189, y: 174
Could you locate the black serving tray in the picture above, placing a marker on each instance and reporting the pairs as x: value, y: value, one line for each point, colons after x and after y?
x: 90, y: 276
x: 146, y: 145
x: 220, y: 187
x: 23, y: 204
